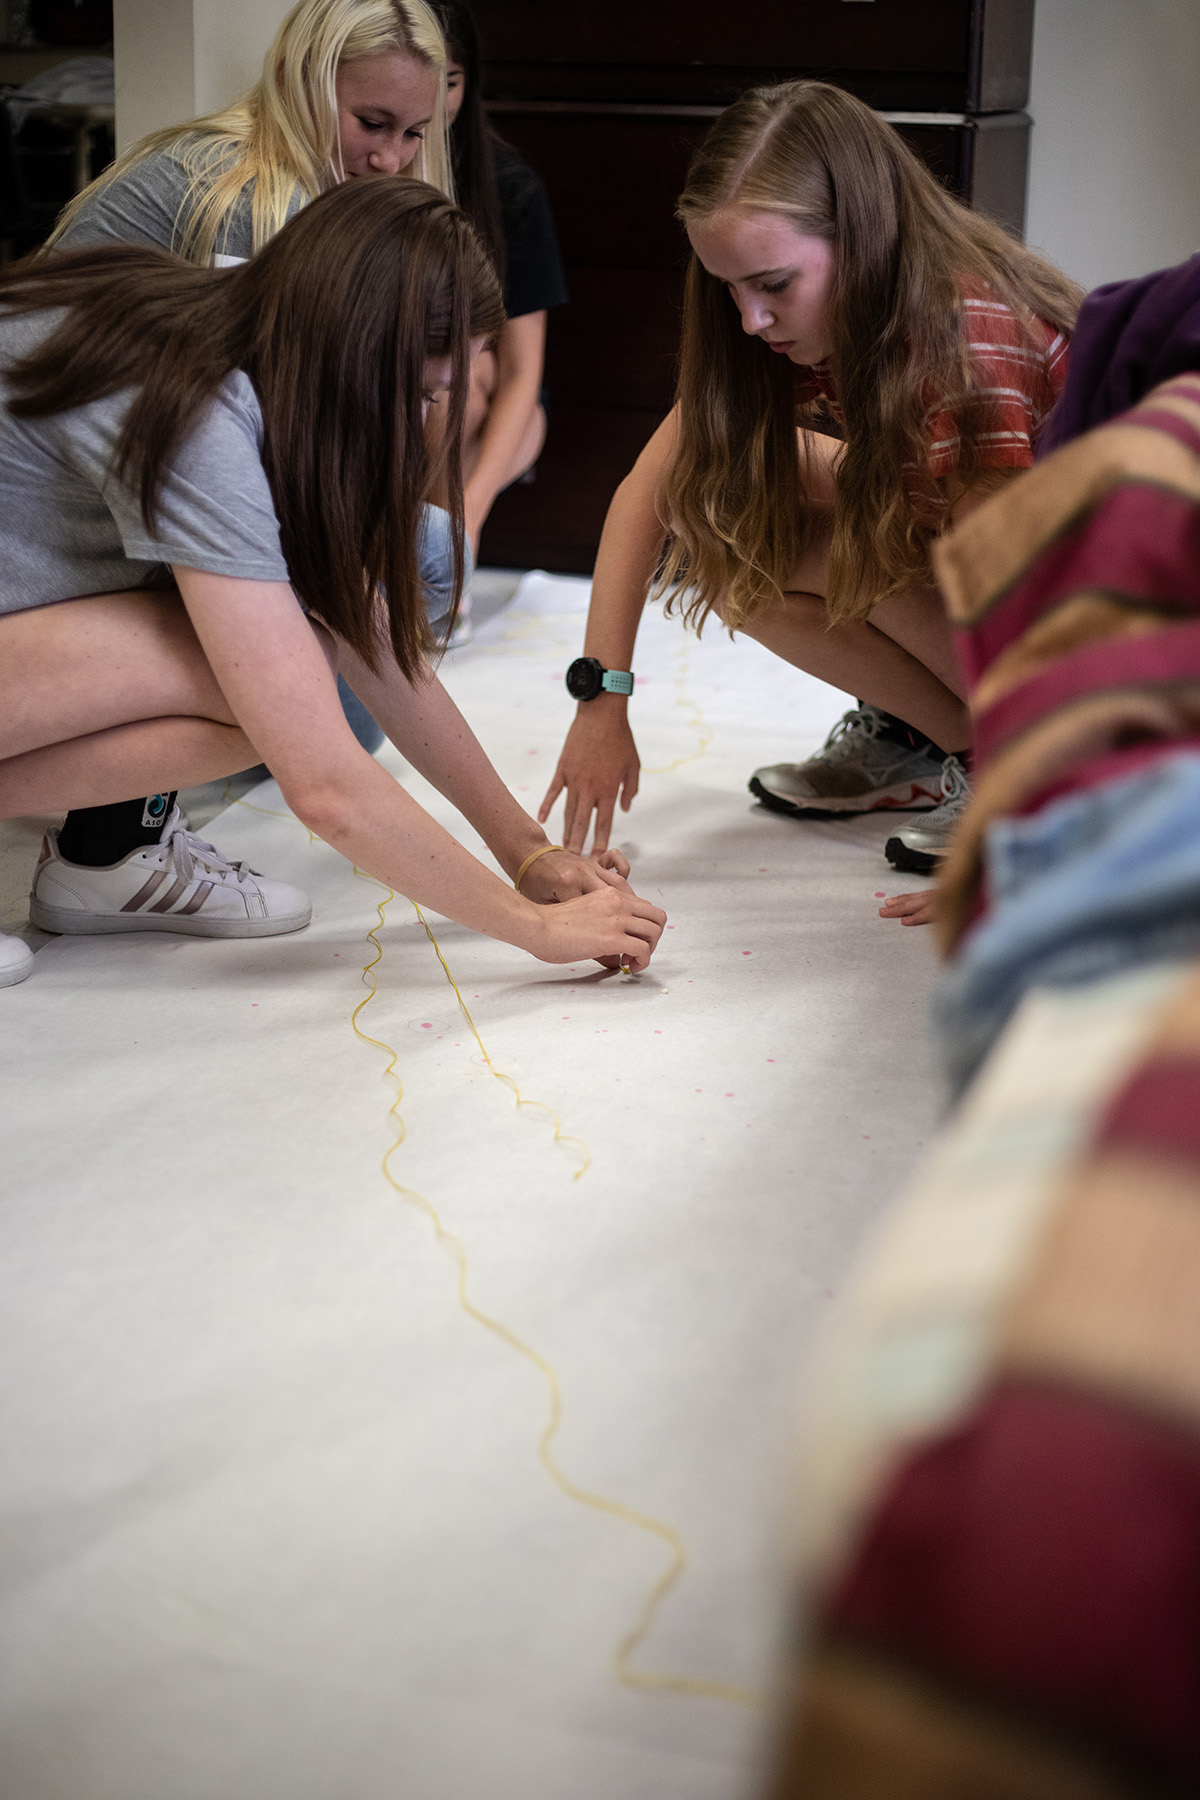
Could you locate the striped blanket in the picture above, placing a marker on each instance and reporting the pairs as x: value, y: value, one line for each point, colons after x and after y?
x: 1076, y: 600
x: 999, y: 1555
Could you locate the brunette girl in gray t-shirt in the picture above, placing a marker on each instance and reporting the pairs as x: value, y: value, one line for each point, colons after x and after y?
x: 228, y: 432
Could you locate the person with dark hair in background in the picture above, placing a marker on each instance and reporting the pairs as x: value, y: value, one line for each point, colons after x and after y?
x: 507, y: 204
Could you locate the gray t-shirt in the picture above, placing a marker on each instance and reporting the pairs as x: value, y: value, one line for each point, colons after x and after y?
x: 148, y: 204
x: 68, y: 528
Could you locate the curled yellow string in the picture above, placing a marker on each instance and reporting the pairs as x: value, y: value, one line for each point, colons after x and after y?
x: 560, y: 1136
x: 622, y: 1659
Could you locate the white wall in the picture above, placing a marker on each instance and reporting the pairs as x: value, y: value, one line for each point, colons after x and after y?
x: 1114, y: 178
x: 177, y: 58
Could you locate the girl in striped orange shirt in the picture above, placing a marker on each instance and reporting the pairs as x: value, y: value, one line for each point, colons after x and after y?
x: 863, y: 360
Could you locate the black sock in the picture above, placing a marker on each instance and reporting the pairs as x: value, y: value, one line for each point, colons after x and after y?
x: 98, y: 835
x: 897, y: 731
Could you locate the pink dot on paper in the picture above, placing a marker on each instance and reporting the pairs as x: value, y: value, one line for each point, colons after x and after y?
x: 699, y: 1090
x: 747, y: 953
x: 770, y: 1059
x: 657, y: 1033
x: 879, y: 894
x: 426, y: 1026
x: 254, y: 1003
x: 729, y: 1096
x: 762, y: 871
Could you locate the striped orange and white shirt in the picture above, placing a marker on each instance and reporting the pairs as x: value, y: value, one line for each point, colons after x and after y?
x: 1018, y: 380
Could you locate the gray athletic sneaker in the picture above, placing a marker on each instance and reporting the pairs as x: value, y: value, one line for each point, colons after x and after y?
x: 858, y: 771
x: 919, y: 848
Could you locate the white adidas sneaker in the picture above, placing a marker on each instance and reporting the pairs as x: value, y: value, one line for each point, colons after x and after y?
x: 180, y: 884
x: 16, y: 960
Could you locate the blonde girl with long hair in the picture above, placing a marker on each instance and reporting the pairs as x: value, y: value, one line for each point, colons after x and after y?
x: 863, y: 360
x: 349, y: 88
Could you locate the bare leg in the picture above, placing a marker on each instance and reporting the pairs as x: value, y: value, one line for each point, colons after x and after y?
x: 107, y: 766
x: 110, y: 696
x: 861, y: 659
x: 900, y: 658
x: 107, y: 659
x: 484, y: 381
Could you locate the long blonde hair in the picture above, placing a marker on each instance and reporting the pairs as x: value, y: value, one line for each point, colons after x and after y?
x: 282, y: 136
x: 903, y: 249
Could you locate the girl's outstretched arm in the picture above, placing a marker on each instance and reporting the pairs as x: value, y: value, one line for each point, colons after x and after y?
x: 276, y: 678
x: 599, y: 759
x: 427, y: 728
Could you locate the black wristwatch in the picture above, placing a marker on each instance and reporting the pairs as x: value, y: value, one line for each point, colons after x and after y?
x: 586, y: 678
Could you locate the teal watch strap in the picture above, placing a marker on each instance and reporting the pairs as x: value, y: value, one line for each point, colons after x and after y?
x: 617, y: 681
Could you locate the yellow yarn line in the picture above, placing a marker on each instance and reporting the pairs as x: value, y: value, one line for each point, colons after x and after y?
x: 698, y: 720
x: 615, y: 1509
x: 648, y: 1680
x: 560, y: 1136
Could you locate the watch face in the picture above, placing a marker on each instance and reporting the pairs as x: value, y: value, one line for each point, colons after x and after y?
x: 584, y: 677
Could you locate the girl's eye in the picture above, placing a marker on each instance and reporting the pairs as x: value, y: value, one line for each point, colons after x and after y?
x: 414, y: 133
x: 775, y: 287
x: 371, y: 124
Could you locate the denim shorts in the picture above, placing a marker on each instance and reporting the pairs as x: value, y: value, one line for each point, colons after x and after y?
x: 435, y: 565
x: 1095, y: 883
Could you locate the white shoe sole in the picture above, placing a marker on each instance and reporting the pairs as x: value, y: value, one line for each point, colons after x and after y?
x: 68, y: 923
x: 905, y: 796
x: 14, y: 972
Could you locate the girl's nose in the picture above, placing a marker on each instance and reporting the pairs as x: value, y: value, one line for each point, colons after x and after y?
x: 386, y: 162
x: 756, y: 314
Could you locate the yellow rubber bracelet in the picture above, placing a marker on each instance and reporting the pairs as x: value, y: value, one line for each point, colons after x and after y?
x: 525, y: 867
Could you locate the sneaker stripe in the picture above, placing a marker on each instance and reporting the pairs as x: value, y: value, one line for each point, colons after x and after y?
x: 179, y: 886
x: 146, y: 891
x: 198, y: 898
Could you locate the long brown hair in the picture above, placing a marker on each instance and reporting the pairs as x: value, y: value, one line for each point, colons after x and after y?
x: 332, y: 321
x: 903, y: 249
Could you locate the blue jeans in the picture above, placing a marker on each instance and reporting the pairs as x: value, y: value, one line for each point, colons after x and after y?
x: 1095, y: 883
x: 435, y: 564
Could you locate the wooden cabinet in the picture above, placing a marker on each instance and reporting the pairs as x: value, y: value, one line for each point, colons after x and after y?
x: 608, y: 103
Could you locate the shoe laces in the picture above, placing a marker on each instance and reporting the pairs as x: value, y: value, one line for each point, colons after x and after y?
x: 187, y: 852
x: 847, y: 735
x: 955, y: 786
